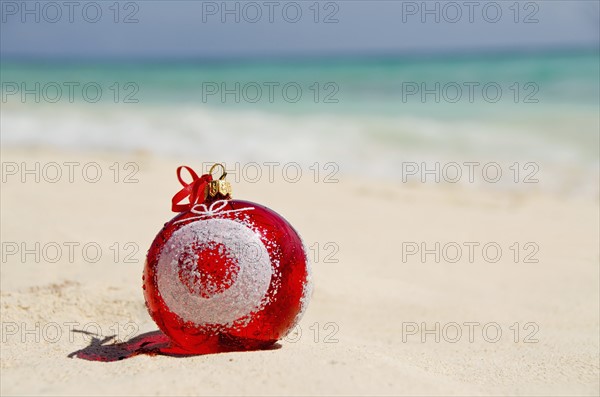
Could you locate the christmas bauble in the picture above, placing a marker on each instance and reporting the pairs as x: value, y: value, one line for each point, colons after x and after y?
x: 225, y: 272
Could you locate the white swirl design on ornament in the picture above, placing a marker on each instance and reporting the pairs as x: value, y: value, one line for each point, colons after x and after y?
x: 202, y: 211
x: 249, y: 286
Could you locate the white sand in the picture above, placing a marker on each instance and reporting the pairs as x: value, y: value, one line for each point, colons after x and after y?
x: 365, y: 298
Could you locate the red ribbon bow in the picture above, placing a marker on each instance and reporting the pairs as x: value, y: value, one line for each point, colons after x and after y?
x: 194, y: 190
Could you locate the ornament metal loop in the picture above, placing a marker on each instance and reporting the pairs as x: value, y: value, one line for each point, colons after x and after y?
x: 223, y: 175
x: 218, y: 186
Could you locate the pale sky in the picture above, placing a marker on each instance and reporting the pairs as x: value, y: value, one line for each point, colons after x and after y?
x: 194, y: 29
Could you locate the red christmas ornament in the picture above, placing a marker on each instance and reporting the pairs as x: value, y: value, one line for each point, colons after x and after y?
x: 225, y: 274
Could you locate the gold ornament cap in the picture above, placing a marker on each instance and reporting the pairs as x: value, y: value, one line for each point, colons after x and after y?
x: 218, y: 187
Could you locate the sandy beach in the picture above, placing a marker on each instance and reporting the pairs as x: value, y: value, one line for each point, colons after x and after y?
x: 382, y: 320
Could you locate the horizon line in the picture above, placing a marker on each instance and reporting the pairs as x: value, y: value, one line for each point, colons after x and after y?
x: 311, y: 56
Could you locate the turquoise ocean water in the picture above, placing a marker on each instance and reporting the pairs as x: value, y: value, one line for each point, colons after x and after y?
x: 367, y: 114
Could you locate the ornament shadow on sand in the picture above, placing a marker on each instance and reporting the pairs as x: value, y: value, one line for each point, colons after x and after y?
x: 155, y: 343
